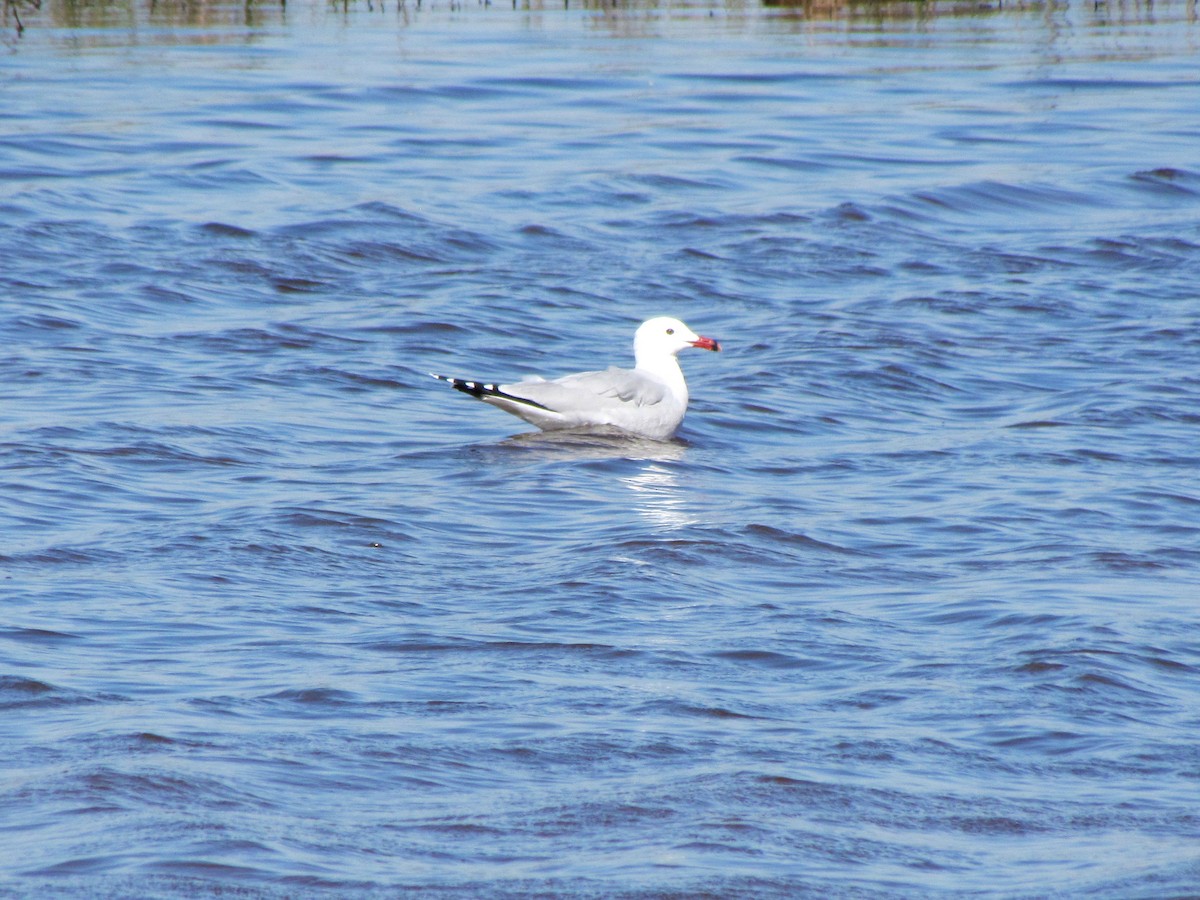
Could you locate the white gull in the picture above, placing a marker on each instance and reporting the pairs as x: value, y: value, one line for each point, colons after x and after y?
x: 648, y: 400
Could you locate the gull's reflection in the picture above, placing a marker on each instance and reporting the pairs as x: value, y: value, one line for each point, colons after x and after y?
x: 657, y: 494
x: 593, y: 444
x: 658, y: 497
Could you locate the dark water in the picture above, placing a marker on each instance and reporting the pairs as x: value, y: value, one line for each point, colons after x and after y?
x: 909, y: 609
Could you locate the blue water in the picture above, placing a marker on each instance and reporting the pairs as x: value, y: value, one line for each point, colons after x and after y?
x: 909, y: 608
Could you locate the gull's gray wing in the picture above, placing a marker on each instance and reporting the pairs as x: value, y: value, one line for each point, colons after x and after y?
x: 589, y: 394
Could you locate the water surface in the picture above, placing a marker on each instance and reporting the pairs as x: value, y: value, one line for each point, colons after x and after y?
x: 909, y: 607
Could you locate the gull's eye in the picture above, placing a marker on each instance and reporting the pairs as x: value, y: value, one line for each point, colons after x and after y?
x: 670, y: 331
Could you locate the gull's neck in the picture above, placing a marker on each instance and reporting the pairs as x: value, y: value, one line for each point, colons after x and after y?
x: 665, y: 367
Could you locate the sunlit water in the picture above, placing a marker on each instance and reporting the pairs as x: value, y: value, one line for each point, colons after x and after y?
x: 908, y: 609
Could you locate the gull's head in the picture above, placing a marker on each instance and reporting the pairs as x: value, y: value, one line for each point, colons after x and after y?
x: 666, y: 336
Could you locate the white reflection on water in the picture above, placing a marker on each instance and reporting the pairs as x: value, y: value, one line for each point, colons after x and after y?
x: 658, y: 496
x: 657, y: 493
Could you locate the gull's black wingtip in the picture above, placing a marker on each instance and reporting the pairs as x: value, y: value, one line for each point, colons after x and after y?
x: 474, y: 388
x: 481, y: 391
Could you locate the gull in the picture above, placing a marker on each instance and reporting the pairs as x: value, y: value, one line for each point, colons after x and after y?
x: 648, y: 400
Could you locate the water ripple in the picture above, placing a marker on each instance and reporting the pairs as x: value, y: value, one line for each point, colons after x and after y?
x: 904, y: 610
